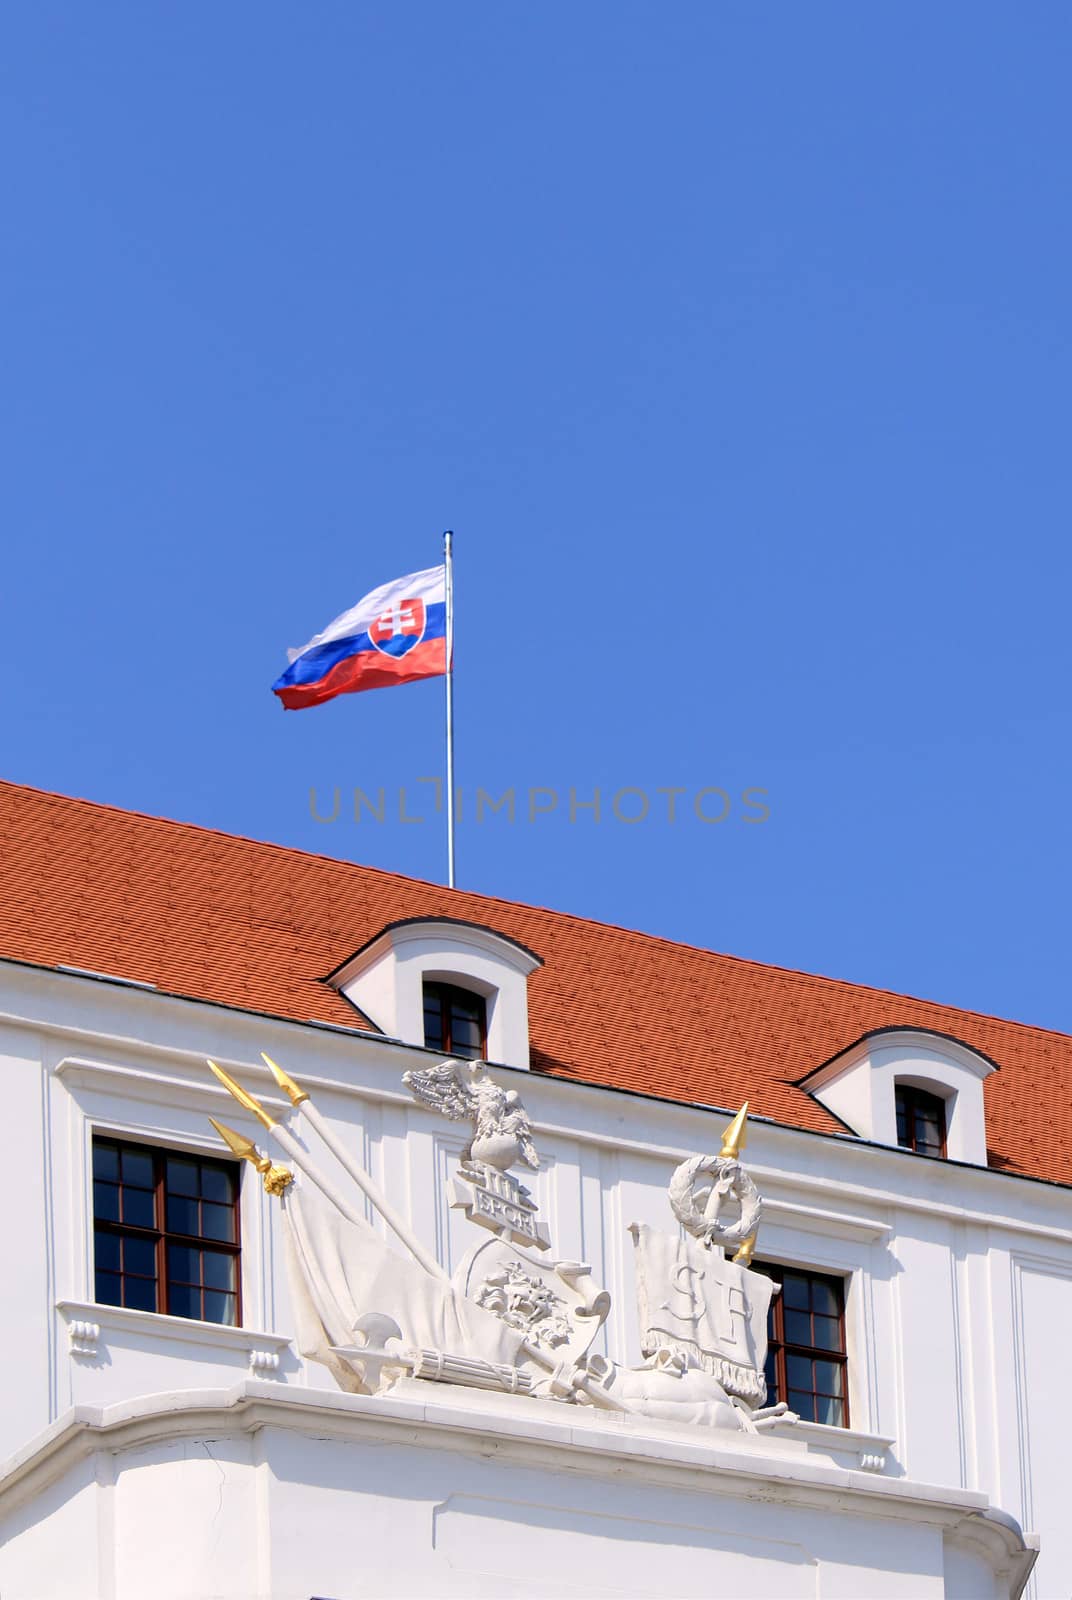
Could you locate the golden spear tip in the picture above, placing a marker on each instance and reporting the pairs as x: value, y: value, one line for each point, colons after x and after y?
x: 284, y: 1080
x: 735, y: 1137
x: 244, y: 1099
x: 276, y: 1179
x: 240, y: 1146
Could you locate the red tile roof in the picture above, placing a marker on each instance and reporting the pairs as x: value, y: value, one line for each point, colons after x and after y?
x: 256, y: 926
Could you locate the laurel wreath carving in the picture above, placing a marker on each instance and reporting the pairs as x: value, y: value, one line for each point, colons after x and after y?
x: 691, y: 1216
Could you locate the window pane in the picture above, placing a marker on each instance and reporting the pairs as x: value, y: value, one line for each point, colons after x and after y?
x: 467, y: 1005
x: 138, y: 1168
x: 181, y: 1215
x: 217, y: 1222
x: 219, y: 1307
x: 105, y: 1161
x: 828, y: 1377
x: 108, y: 1290
x: 465, y: 1039
x: 199, y: 1201
x: 798, y: 1372
x: 804, y: 1331
x: 828, y: 1411
x: 139, y: 1256
x: 797, y: 1327
x: 803, y: 1403
x: 216, y: 1184
x: 184, y: 1301
x: 219, y: 1269
x: 182, y: 1176
x: 183, y: 1264
x: 928, y: 1132
x: 140, y: 1293
x: 827, y: 1334
x: 139, y: 1207
x: 433, y: 1020
x: 467, y: 1024
x: 823, y: 1298
x: 795, y: 1291
x: 106, y: 1251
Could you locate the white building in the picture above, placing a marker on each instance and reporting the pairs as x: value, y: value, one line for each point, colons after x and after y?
x: 163, y: 1434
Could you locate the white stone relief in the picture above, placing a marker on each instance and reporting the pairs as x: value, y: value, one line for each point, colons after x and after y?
x: 729, y: 1180
x: 83, y: 1337
x: 522, y: 1301
x: 514, y: 1318
x: 464, y: 1092
x: 495, y: 1200
x: 556, y: 1304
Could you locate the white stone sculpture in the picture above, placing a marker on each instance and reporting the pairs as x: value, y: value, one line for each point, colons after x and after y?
x: 557, y: 1305
x: 464, y: 1091
x: 703, y: 1319
x: 512, y: 1320
x: 729, y: 1180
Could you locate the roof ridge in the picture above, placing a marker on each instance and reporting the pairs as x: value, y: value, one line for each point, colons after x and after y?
x: 841, y: 984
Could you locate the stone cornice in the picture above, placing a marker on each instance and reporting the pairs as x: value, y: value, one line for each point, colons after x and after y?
x: 531, y: 1432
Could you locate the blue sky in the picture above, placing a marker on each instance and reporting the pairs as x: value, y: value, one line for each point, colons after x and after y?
x: 733, y: 343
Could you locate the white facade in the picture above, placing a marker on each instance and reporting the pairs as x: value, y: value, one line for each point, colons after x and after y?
x: 146, y: 1445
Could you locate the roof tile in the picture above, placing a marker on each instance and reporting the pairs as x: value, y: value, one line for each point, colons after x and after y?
x: 258, y: 926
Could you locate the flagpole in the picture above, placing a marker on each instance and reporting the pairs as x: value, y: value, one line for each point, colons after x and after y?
x: 448, y: 550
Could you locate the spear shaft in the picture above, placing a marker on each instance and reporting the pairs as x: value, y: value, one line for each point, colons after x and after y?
x: 290, y: 1145
x: 302, y: 1103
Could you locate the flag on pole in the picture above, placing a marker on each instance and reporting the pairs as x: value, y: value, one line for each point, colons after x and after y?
x: 396, y: 634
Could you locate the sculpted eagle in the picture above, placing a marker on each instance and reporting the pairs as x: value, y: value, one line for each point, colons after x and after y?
x: 463, y: 1091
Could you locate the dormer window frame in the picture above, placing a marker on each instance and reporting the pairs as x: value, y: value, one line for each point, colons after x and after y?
x: 385, y: 980
x: 912, y: 1102
x: 859, y: 1086
x: 446, y: 996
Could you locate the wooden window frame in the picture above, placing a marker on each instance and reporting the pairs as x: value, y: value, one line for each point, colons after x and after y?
x: 160, y: 1235
x: 912, y: 1097
x: 778, y: 1347
x: 443, y: 991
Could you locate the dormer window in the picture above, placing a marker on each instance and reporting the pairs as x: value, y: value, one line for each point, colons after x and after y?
x: 909, y: 1087
x: 455, y: 987
x: 455, y: 1021
x: 920, y: 1121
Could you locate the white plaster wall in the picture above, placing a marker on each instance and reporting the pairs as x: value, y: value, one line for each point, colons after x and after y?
x: 959, y: 1304
x: 30, y: 1257
x: 238, y: 1500
x: 1042, y: 1299
x: 60, y: 1543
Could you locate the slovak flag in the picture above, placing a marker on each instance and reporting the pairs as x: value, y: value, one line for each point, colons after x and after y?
x: 396, y: 634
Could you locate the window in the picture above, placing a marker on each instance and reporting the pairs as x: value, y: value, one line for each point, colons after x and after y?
x: 806, y: 1360
x: 391, y: 979
x: 920, y: 1121
x: 165, y: 1231
x: 455, y: 1021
